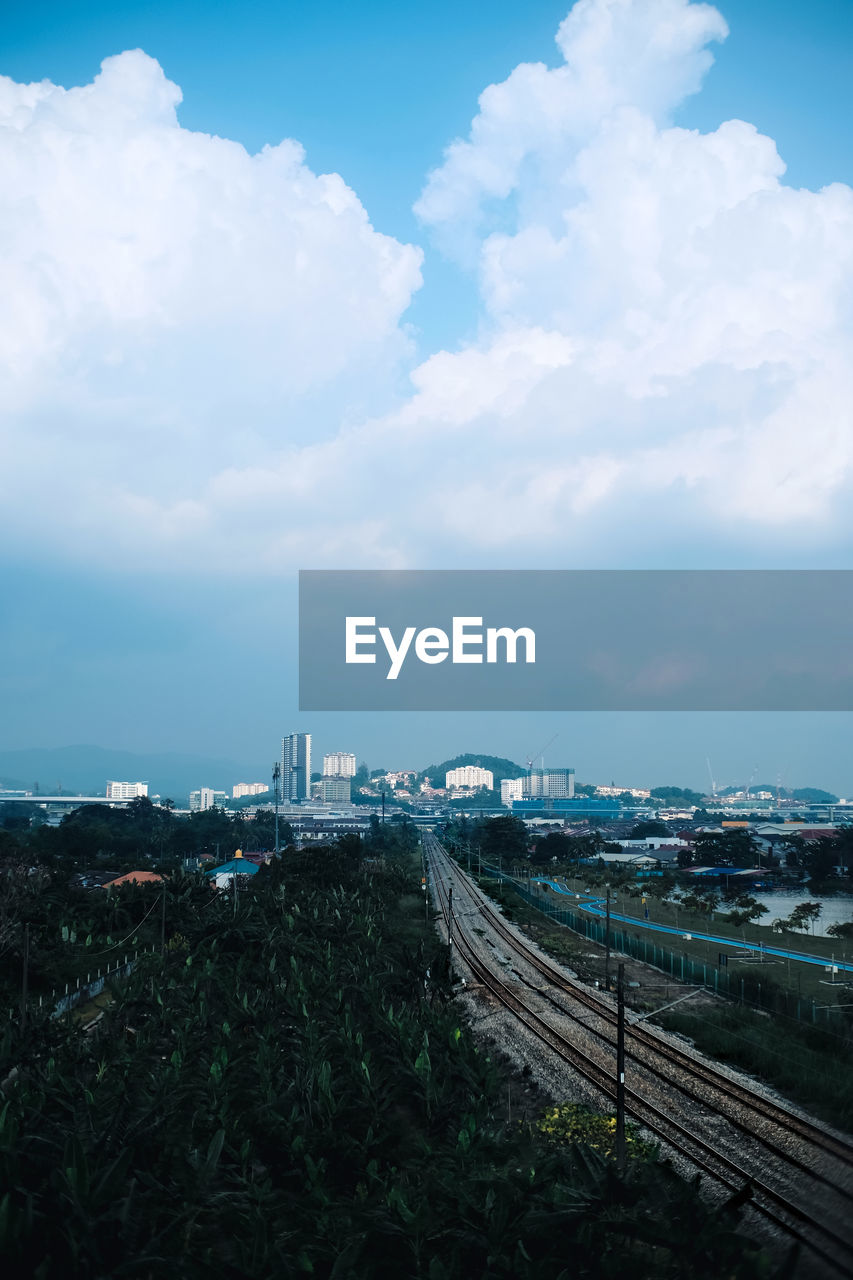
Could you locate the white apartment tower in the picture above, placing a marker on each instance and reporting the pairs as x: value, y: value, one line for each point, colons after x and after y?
x: 511, y: 789
x: 296, y: 767
x: 204, y: 798
x: 339, y: 764
x: 469, y: 775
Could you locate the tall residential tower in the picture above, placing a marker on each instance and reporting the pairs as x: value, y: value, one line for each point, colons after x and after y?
x: 296, y: 767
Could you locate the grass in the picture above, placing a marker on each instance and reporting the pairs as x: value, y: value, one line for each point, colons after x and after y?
x: 801, y: 980
x: 803, y: 1063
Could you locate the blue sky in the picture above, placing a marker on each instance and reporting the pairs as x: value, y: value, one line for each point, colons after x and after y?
x: 170, y: 464
x: 376, y: 91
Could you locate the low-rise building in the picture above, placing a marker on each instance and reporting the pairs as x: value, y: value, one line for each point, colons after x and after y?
x: 126, y: 790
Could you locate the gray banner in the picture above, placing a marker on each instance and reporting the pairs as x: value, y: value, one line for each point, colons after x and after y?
x: 576, y: 640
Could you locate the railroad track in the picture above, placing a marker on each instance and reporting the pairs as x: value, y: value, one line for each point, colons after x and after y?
x: 751, y: 1114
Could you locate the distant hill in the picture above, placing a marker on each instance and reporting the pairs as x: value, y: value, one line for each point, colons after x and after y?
x: 809, y: 795
x: 499, y: 767
x: 86, y: 769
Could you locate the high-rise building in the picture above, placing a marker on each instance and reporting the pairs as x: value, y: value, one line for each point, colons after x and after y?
x: 334, y: 790
x: 550, y: 782
x: 339, y: 764
x: 469, y: 775
x: 296, y: 767
x: 126, y: 790
x: 204, y: 798
x: 241, y: 789
x: 511, y: 789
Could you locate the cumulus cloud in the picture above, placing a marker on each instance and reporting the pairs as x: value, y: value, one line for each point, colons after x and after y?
x: 173, y: 304
x: 662, y: 373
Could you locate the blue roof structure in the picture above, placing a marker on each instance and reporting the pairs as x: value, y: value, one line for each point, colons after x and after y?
x: 236, y: 867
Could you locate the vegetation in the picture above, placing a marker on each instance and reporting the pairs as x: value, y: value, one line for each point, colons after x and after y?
x: 806, y: 1064
x: 652, y: 827
x: 573, y: 1123
x: 498, y: 766
x: 129, y: 838
x: 288, y: 1090
x: 680, y: 796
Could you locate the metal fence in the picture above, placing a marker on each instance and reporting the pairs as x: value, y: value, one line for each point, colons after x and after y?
x: 746, y: 988
x: 79, y: 991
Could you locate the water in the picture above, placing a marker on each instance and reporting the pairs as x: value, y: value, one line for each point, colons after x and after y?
x: 837, y: 909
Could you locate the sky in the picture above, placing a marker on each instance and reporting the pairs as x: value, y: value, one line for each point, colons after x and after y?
x: 404, y: 286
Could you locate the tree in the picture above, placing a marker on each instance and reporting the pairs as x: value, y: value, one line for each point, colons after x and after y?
x: 651, y: 828
x: 735, y: 848
x: 803, y: 915
x: 677, y: 796
x: 746, y: 910
x: 821, y: 858
x: 554, y: 845
x: 843, y: 930
x: 700, y: 904
x: 503, y: 837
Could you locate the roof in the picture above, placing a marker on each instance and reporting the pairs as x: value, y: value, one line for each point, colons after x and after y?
x: 134, y: 877
x: 236, y: 867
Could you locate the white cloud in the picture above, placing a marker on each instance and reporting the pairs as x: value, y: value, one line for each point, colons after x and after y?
x: 173, y: 304
x: 662, y: 373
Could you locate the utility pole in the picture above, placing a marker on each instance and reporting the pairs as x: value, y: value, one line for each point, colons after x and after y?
x: 383, y: 806
x: 620, y: 1069
x: 607, y: 945
x: 276, y: 788
x: 450, y: 919
x: 163, y: 921
x: 25, y: 976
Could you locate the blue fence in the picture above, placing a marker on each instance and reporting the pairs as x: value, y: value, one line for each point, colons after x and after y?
x: 746, y: 988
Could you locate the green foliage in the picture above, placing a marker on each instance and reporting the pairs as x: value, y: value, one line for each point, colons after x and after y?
x: 288, y: 1090
x: 736, y: 848
x: 679, y: 796
x: 574, y: 1123
x: 653, y: 827
x: 498, y: 766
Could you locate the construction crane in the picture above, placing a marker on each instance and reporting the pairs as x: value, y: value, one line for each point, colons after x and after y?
x: 536, y: 756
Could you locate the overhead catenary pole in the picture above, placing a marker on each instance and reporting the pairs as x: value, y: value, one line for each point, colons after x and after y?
x: 450, y: 919
x: 163, y: 920
x: 607, y: 944
x: 620, y: 1069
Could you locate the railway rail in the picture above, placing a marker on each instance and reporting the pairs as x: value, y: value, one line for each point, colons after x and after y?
x: 766, y: 1164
